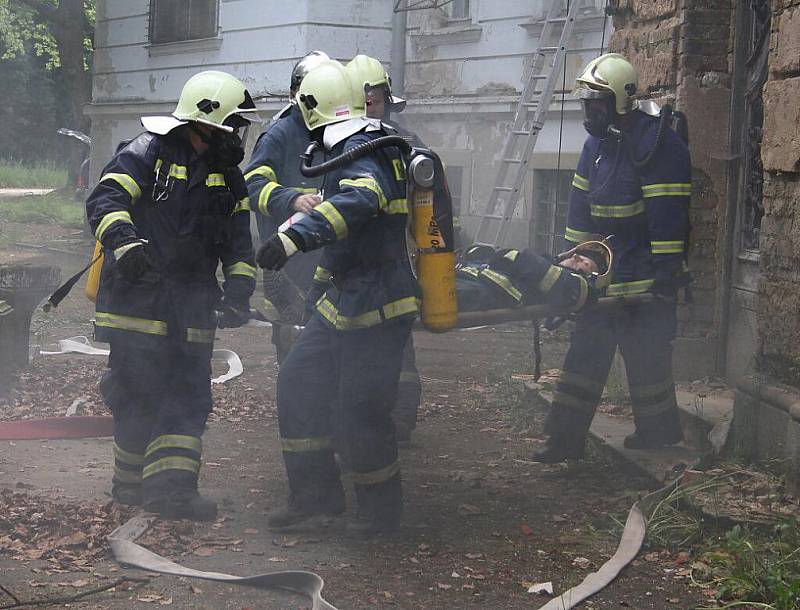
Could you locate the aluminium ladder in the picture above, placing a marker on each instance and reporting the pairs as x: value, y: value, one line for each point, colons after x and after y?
x: 529, y: 119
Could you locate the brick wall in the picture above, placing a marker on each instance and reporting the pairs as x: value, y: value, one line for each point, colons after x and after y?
x: 779, y: 310
x: 682, y: 52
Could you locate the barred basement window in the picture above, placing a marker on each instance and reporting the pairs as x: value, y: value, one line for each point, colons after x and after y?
x: 549, y: 209
x: 178, y: 20
x: 752, y: 169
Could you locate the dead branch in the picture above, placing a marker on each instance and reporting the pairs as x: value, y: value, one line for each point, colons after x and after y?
x: 47, y: 601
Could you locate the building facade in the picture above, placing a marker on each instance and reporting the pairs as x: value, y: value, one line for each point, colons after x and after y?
x: 734, y: 69
x: 460, y: 64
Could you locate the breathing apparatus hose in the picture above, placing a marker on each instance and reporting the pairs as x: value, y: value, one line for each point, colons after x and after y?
x: 663, y: 125
x: 312, y: 171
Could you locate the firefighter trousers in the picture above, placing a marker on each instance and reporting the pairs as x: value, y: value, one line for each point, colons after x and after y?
x: 160, y: 400
x: 644, y: 335
x: 409, y: 390
x: 343, y: 382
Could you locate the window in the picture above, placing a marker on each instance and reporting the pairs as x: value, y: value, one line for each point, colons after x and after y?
x: 752, y: 179
x: 457, y: 9
x: 177, y: 20
x: 549, y: 210
x: 455, y: 181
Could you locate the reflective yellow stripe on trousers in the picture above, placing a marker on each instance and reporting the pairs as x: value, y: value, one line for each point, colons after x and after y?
x: 370, y: 318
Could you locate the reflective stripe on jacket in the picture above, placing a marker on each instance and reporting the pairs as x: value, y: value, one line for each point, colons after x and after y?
x: 362, y: 225
x: 273, y: 173
x: 190, y: 224
x: 645, y: 209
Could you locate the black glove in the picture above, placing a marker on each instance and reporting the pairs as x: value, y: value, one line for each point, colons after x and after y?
x: 234, y: 179
x: 134, y: 263
x: 224, y: 150
x: 277, y: 250
x: 665, y: 288
x: 233, y: 314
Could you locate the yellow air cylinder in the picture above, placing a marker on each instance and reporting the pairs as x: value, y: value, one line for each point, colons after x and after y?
x: 93, y: 279
x: 436, y: 263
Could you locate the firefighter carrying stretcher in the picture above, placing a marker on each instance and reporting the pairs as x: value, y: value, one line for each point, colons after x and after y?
x: 633, y: 180
x: 350, y: 352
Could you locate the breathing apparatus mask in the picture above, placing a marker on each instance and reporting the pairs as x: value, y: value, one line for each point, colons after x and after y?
x: 599, y: 113
x: 225, y: 148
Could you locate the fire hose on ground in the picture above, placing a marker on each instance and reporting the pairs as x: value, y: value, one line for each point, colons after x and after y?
x: 127, y: 552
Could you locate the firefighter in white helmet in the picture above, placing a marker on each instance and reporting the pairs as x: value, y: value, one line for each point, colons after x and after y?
x: 349, y: 355
x: 278, y: 190
x: 633, y: 181
x: 168, y: 209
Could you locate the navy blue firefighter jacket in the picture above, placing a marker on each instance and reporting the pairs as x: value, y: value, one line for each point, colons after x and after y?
x: 645, y: 209
x: 273, y: 173
x: 190, y: 226
x: 362, y: 225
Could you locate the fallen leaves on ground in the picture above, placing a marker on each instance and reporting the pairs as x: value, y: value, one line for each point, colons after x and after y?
x: 68, y: 535
x: 34, y: 394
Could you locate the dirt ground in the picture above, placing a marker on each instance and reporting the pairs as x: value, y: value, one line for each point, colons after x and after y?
x: 482, y: 523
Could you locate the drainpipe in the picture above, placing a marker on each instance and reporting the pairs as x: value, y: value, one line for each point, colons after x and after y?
x: 398, y: 57
x: 728, y: 230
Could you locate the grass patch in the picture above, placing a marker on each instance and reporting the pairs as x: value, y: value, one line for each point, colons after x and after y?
x: 749, y: 569
x: 17, y: 175
x: 745, y: 567
x: 57, y: 208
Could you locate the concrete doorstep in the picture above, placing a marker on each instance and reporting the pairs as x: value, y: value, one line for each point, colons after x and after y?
x: 705, y: 419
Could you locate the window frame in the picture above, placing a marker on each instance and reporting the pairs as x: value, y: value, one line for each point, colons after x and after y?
x: 210, y: 31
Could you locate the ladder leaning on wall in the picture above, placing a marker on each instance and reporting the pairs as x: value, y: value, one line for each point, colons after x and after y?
x: 540, y: 83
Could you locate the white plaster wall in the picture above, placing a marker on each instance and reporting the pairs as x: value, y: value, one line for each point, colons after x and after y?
x: 462, y: 77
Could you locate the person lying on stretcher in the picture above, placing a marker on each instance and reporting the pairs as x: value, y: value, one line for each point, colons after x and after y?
x: 499, y: 279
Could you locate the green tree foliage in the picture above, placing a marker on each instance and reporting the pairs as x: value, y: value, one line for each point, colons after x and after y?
x: 45, y: 59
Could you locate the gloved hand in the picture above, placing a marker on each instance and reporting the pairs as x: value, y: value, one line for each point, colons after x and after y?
x: 224, y: 150
x: 277, y: 250
x: 233, y: 314
x: 665, y: 289
x: 234, y: 179
x: 133, y: 262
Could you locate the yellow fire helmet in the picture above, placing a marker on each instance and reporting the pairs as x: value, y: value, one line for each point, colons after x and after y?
x: 308, y: 62
x: 609, y: 74
x: 211, y: 98
x: 369, y: 72
x: 593, y: 249
x: 327, y: 95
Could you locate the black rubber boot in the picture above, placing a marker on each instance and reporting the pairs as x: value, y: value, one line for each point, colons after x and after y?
x: 652, y: 440
x: 555, y: 451
x: 566, y: 437
x: 664, y: 431
x: 370, y: 528
x: 184, y: 505
x: 290, y: 515
x: 127, y: 494
x: 402, y: 433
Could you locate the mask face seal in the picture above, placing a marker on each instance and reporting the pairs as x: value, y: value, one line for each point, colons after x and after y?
x: 599, y: 115
x: 225, y: 149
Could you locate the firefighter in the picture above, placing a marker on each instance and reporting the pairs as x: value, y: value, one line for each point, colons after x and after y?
x: 350, y: 353
x: 278, y: 190
x: 633, y: 181
x: 380, y: 104
x: 169, y: 207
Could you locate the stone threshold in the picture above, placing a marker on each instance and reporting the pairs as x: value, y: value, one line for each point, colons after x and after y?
x: 706, y: 419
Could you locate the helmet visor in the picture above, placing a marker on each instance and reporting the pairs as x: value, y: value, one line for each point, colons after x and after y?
x: 584, y: 92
